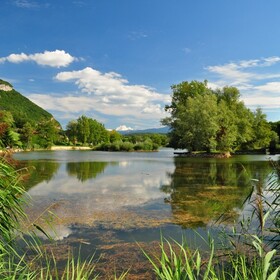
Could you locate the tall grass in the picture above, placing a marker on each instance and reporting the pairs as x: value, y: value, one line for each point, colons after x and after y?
x: 179, y: 262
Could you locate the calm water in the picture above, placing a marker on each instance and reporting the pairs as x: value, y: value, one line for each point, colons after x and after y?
x: 100, y: 202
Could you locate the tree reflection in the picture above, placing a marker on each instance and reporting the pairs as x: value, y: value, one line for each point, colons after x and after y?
x: 39, y: 171
x: 85, y: 170
x: 203, y: 190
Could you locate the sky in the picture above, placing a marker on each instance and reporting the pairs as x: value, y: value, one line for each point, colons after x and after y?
x: 115, y: 60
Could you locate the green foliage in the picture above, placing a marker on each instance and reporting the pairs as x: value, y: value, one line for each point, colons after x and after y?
x: 205, y: 119
x: 86, y: 131
x: 160, y: 140
x: 20, y: 107
x: 179, y: 262
x: 10, y: 201
x: 47, y: 132
x: 126, y: 146
x: 114, y: 136
x: 262, y: 131
x: 275, y: 126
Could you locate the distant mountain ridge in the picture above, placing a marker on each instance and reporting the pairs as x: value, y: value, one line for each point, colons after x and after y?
x: 21, y: 107
x: 161, y: 130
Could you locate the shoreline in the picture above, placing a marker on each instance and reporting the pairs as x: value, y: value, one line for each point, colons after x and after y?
x: 69, y: 148
x: 53, y: 148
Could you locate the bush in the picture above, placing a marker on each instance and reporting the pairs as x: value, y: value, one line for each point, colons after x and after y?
x: 126, y: 146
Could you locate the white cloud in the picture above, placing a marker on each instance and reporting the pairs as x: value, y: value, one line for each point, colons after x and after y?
x: 26, y: 4
x: 153, y: 108
x: 258, y: 88
x: 114, y: 94
x: 234, y: 73
x: 272, y: 87
x: 123, y: 128
x: 263, y: 101
x: 57, y: 58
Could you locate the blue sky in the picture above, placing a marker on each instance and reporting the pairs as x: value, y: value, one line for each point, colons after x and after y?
x: 115, y: 60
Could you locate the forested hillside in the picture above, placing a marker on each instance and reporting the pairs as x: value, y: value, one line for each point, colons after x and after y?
x: 24, y: 124
x: 21, y: 108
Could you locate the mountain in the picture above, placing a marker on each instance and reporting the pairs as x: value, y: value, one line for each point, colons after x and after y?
x: 21, y: 107
x: 161, y: 130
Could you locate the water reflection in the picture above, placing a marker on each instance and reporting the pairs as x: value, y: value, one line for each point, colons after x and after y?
x: 204, y: 190
x: 85, y: 170
x: 39, y: 171
x: 115, y: 194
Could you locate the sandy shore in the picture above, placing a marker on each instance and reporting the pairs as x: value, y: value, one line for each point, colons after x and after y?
x: 67, y: 148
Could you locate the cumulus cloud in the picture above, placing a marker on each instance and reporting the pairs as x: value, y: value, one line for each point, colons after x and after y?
x: 271, y: 87
x: 259, y: 86
x: 57, y: 58
x: 241, y: 73
x: 113, y: 91
x: 123, y: 128
x: 263, y: 101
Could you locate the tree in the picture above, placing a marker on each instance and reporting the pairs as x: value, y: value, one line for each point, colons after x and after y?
x: 26, y: 134
x: 262, y: 131
x: 197, y: 122
x: 83, y: 129
x: 235, y: 120
x: 87, y: 131
x: 72, y: 131
x: 227, y: 133
x: 47, y: 132
x: 115, y: 136
x: 205, y: 119
x: 8, y: 135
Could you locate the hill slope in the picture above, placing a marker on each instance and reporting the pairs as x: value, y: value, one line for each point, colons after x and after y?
x: 21, y: 107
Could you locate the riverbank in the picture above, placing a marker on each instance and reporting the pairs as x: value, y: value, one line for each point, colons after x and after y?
x: 203, y: 155
x: 53, y: 148
x: 69, y: 148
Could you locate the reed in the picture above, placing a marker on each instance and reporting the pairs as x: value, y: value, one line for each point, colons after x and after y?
x: 15, y: 264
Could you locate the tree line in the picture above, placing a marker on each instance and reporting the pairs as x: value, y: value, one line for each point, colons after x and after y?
x: 87, y: 131
x: 83, y: 131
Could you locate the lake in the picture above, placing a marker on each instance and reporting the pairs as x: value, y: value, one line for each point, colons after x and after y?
x: 111, y: 204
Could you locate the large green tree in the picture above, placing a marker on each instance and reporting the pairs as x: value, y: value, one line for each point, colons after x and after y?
x: 206, y: 119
